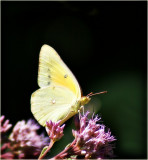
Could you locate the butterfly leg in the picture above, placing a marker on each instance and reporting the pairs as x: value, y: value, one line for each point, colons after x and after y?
x: 82, y: 108
x: 79, y: 114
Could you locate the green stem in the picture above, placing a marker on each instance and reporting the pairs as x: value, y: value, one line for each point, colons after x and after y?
x: 64, y: 152
x: 47, y: 150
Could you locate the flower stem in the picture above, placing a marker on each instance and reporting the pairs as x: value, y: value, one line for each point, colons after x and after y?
x: 47, y: 150
x: 64, y: 153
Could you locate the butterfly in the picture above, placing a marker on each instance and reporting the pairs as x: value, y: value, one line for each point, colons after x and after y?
x: 59, y: 96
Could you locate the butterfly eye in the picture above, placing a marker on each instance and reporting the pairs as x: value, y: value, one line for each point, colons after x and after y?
x: 66, y: 75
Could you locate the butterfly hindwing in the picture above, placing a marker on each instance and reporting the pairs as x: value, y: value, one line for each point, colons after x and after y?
x: 52, y: 103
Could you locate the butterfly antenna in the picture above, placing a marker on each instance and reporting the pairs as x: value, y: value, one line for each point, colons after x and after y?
x: 89, y: 94
x: 92, y: 94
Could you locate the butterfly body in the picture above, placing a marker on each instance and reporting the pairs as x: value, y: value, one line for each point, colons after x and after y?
x: 59, y: 96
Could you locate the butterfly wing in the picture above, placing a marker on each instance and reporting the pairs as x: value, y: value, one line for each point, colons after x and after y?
x: 53, y: 71
x: 53, y: 103
x: 59, y: 90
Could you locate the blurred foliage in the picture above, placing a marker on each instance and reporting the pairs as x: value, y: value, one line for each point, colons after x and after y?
x: 103, y: 43
x: 124, y: 107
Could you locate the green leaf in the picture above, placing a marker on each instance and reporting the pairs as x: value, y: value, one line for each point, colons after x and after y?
x: 43, y: 151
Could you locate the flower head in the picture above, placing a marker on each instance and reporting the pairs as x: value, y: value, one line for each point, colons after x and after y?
x: 54, y: 130
x: 25, y: 142
x: 92, y: 140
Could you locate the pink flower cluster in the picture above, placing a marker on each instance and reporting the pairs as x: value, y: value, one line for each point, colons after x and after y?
x: 92, y: 139
x: 23, y: 142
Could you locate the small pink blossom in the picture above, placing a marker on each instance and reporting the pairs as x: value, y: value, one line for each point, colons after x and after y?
x: 4, y: 125
x: 54, y: 130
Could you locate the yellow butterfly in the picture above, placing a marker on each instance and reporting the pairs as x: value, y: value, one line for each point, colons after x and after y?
x: 59, y: 96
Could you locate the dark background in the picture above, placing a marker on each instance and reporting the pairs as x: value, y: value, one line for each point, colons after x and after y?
x: 103, y: 43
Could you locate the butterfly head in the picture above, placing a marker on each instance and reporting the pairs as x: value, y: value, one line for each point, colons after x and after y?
x: 84, y: 100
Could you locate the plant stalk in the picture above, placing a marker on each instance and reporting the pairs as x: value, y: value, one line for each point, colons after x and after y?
x: 47, y: 150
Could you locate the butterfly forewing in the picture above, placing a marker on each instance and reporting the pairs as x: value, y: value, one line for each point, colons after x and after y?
x: 53, y: 71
